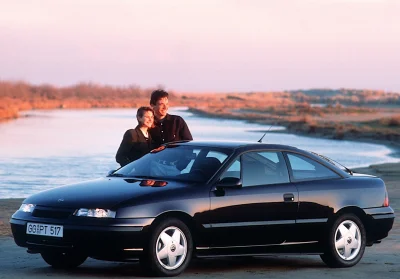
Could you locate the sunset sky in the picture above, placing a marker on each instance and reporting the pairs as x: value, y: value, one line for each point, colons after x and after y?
x: 203, y: 45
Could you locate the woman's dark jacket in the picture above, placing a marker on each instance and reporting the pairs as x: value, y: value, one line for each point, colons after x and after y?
x: 133, y: 146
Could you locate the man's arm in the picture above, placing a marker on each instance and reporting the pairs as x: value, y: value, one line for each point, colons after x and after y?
x: 122, y: 156
x: 184, y: 131
x: 155, y: 134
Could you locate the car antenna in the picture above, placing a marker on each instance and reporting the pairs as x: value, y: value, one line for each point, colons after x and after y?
x: 260, y: 140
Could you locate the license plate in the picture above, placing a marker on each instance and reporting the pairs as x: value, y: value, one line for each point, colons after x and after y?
x: 44, y: 229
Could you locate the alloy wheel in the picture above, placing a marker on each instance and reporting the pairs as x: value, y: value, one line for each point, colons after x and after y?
x: 171, y: 248
x: 348, y: 240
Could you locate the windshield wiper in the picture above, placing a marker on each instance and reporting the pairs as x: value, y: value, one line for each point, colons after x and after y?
x: 117, y: 175
x: 145, y: 176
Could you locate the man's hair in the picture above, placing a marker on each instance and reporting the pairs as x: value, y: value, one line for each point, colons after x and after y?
x: 157, y: 95
x: 141, y: 111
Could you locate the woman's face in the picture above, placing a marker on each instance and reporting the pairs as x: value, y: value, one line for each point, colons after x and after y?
x: 147, y: 119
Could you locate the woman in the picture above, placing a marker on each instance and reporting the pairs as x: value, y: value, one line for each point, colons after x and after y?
x: 137, y: 142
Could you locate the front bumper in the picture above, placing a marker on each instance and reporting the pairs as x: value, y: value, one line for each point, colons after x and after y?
x: 104, y: 239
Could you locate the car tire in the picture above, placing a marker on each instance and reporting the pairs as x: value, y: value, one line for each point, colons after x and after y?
x: 346, y: 241
x: 63, y: 260
x: 169, y: 248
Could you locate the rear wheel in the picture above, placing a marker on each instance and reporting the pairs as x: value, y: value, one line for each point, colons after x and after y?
x: 346, y: 242
x: 169, y: 249
x: 63, y: 260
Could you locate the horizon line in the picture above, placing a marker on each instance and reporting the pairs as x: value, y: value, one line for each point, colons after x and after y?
x: 161, y: 86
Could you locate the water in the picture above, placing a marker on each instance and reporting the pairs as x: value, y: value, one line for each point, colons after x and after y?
x: 57, y: 147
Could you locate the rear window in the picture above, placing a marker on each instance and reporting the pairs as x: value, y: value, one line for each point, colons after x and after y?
x: 304, y: 168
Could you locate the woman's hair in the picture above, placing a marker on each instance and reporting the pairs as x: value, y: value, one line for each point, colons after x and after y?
x: 141, y: 111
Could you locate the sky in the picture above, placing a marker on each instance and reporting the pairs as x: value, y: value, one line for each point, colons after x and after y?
x: 203, y: 45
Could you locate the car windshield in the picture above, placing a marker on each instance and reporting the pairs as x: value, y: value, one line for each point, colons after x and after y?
x: 179, y: 162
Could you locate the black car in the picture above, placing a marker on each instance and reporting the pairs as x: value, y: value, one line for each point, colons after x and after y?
x: 207, y: 199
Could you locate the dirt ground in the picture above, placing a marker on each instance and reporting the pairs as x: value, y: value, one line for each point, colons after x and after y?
x: 379, y: 261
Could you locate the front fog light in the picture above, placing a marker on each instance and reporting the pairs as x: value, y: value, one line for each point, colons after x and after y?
x: 97, y: 213
x: 27, y: 207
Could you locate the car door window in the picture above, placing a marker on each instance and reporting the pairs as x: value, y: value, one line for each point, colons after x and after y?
x: 304, y: 168
x: 263, y: 168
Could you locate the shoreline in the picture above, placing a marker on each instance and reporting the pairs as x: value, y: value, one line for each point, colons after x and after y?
x: 394, y: 146
x: 293, y: 127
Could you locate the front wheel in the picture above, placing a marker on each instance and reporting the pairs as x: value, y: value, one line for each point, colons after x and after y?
x: 346, y: 242
x: 63, y: 260
x: 170, y: 248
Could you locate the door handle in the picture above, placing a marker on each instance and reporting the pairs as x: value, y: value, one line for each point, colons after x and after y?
x: 288, y: 197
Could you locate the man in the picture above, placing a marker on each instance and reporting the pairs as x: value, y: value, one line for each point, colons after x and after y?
x: 168, y: 127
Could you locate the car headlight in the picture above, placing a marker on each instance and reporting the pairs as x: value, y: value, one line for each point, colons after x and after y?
x: 27, y: 207
x: 96, y: 213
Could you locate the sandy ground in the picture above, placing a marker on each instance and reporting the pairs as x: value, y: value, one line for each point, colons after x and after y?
x: 379, y: 261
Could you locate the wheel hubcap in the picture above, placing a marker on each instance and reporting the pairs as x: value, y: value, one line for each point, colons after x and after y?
x: 171, y: 248
x: 348, y: 240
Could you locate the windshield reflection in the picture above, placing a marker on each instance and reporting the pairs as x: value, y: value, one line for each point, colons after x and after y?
x: 178, y: 162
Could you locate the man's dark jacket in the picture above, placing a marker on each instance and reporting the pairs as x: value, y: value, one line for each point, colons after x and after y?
x: 171, y: 128
x: 133, y: 146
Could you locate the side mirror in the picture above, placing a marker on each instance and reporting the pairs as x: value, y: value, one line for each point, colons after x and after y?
x: 229, y: 182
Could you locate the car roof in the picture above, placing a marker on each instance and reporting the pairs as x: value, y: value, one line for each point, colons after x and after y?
x: 242, y: 146
x: 245, y: 145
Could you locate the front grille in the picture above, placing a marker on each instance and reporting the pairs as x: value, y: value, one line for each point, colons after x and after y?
x: 52, y: 212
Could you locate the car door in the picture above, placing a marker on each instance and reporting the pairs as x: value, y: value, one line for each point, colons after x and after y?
x: 315, y: 183
x: 261, y: 211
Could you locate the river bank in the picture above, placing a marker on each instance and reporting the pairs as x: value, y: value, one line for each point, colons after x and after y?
x: 330, y: 113
x: 343, y: 127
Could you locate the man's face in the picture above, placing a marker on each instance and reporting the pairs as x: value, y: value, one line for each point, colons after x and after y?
x: 161, y: 108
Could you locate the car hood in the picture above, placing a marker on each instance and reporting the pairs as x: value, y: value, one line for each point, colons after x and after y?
x: 104, y: 193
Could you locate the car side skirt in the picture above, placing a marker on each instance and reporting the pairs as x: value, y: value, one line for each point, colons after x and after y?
x: 310, y: 247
